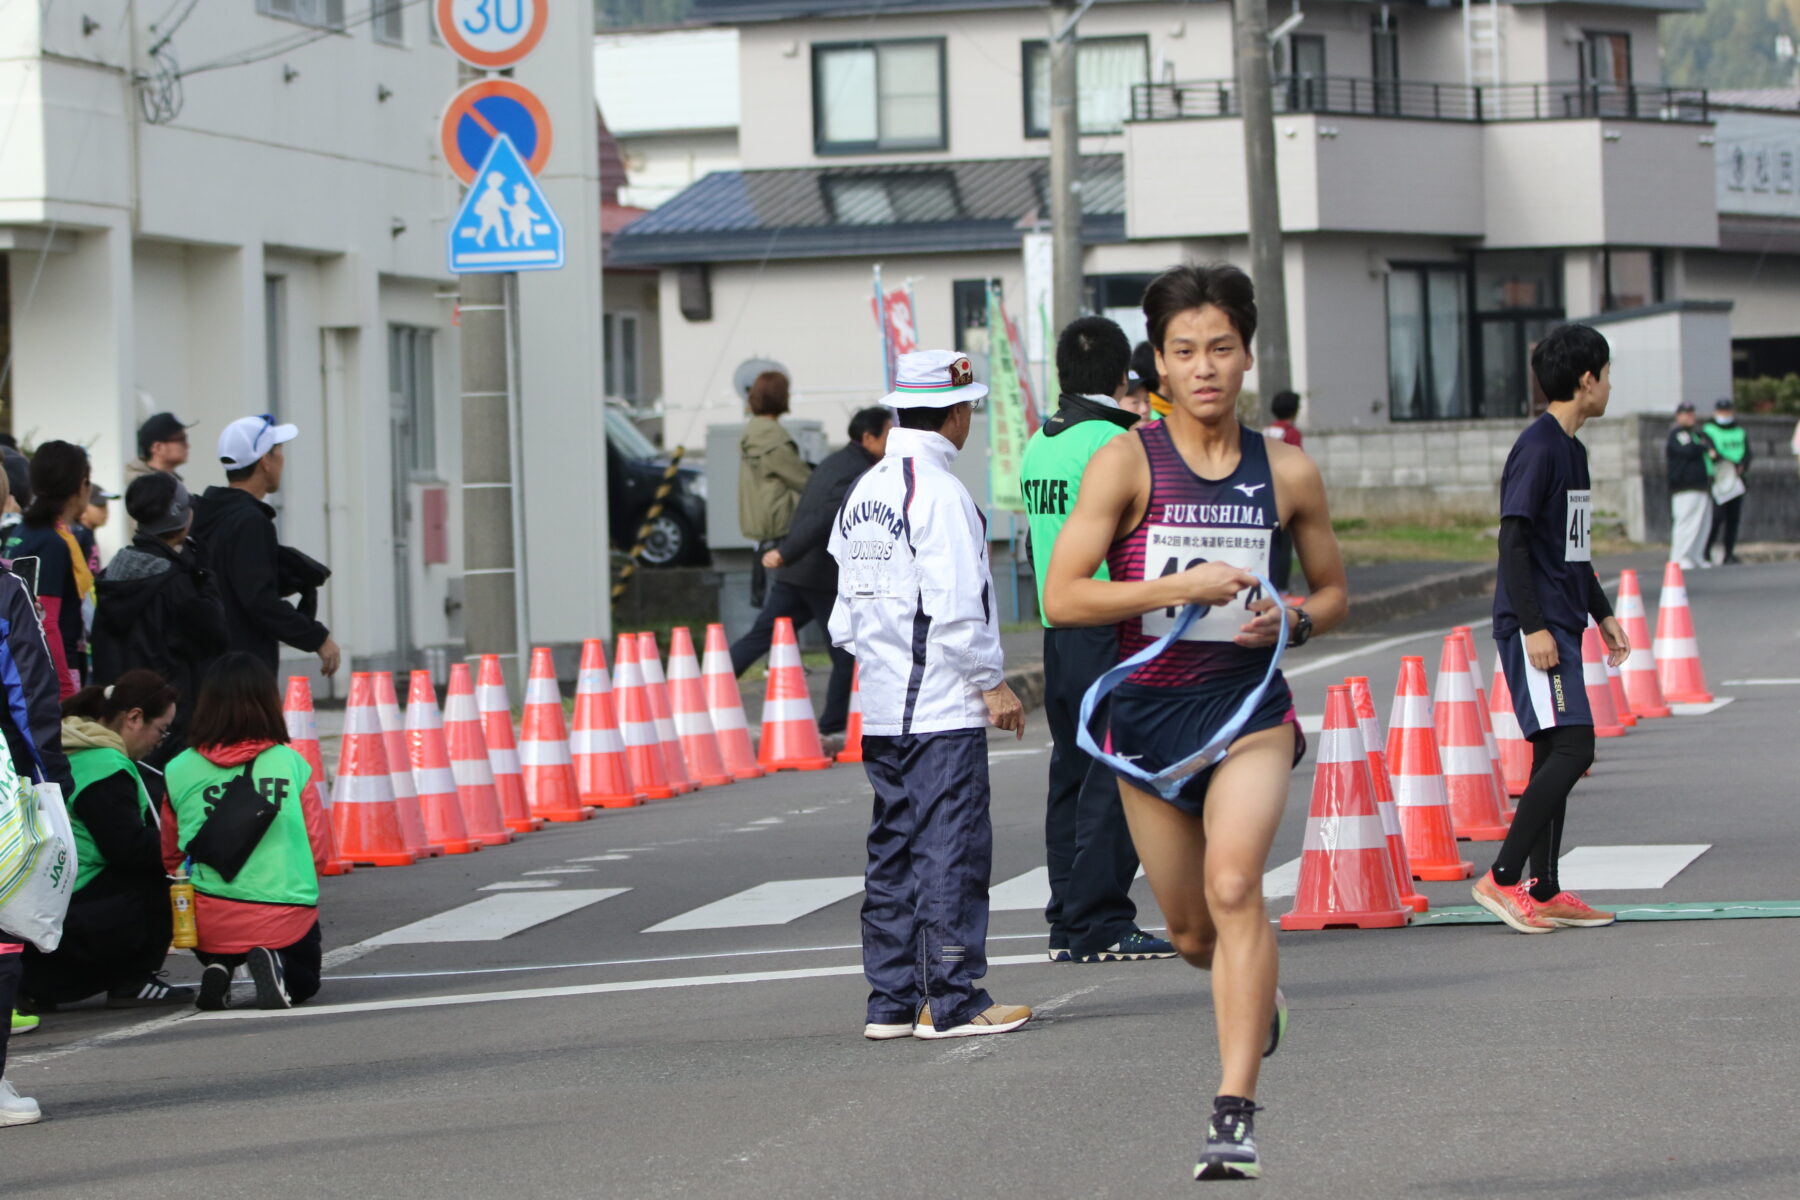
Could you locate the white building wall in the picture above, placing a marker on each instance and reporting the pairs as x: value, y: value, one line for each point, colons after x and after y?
x: 1764, y: 290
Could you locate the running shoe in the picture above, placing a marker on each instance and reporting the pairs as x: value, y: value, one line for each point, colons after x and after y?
x: 215, y: 988
x: 1570, y: 910
x: 886, y: 1031
x: 1513, y: 905
x: 997, y: 1018
x: 1135, y: 946
x: 1277, y: 1023
x: 23, y: 1022
x: 1230, y: 1151
x: 155, y: 989
x: 271, y: 980
x: 1061, y: 954
x: 16, y: 1109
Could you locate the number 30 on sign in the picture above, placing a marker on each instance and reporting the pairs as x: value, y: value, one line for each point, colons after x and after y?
x: 491, y: 34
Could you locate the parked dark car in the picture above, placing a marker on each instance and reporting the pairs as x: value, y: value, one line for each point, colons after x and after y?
x: 634, y: 470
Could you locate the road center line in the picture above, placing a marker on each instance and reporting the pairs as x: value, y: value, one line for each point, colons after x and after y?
x: 1332, y: 660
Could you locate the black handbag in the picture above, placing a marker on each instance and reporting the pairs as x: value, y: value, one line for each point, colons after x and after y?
x: 235, y: 826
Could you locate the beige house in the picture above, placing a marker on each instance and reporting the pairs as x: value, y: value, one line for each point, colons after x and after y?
x: 1453, y: 184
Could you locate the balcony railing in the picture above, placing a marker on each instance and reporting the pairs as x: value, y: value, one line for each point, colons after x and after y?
x: 1337, y: 95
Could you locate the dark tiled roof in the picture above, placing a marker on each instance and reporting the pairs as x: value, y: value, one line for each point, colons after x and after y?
x: 737, y: 12
x: 817, y: 212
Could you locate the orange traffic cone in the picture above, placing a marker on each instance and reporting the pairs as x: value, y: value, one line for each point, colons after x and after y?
x: 1346, y: 874
x: 434, y: 771
x: 852, y: 751
x: 1468, y: 772
x: 1642, y: 692
x: 544, y: 746
x: 600, y: 772
x: 303, y: 736
x: 657, y: 689
x: 637, y: 724
x: 687, y: 699
x: 1362, y: 704
x: 1418, y: 779
x: 365, y: 822
x: 725, y: 705
x: 1515, y: 751
x: 1593, y: 679
x: 1485, y: 711
x: 790, y: 735
x: 1615, y: 686
x: 469, y: 754
x: 1677, y: 650
x: 495, y: 707
x: 400, y: 776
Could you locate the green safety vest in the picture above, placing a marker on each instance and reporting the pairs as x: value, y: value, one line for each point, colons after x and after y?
x: 1729, y: 440
x: 89, y: 767
x: 1049, y: 478
x: 280, y: 870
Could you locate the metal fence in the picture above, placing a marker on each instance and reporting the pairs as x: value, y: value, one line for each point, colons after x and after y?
x: 1338, y: 95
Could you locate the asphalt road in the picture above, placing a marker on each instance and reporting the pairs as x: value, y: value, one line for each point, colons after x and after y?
x: 584, y: 1056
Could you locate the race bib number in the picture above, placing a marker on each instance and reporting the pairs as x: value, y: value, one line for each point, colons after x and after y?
x: 1169, y: 549
x: 1578, y: 541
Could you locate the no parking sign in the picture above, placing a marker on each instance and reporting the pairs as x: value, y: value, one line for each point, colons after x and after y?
x: 491, y: 34
x: 482, y: 112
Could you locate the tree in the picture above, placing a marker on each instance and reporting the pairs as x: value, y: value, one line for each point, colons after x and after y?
x: 1730, y: 44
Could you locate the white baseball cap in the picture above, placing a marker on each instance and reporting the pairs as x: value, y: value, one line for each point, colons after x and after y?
x: 933, y: 379
x: 247, y: 439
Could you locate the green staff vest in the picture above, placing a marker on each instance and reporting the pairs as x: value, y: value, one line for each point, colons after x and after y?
x: 89, y: 767
x: 1049, y: 478
x: 1729, y: 440
x: 280, y: 870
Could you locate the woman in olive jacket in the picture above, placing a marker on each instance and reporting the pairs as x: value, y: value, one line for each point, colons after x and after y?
x: 771, y: 473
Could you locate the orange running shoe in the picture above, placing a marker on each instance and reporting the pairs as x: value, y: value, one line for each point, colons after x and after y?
x: 1568, y: 908
x: 1513, y: 905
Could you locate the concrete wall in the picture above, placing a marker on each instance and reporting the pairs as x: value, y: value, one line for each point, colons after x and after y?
x: 660, y: 165
x: 1761, y: 288
x: 1664, y: 357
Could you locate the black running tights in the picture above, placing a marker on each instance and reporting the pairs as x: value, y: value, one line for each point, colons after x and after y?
x: 1558, y: 757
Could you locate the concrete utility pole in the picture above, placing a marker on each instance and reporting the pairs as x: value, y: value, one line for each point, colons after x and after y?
x: 493, y: 577
x: 1274, y: 368
x: 1065, y: 181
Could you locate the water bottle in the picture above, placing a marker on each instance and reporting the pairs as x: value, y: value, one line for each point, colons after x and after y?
x: 181, y: 905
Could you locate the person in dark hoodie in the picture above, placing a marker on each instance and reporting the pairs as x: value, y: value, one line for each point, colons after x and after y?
x: 235, y: 533
x: 159, y: 609
x: 65, y: 585
x: 1088, y: 848
x: 806, y: 588
x: 22, y: 630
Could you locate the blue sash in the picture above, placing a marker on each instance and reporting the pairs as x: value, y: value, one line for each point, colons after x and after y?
x: 1169, y: 781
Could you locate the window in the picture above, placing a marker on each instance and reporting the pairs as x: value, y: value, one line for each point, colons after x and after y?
x: 1634, y: 278
x: 322, y: 14
x: 1428, y: 354
x: 1605, y: 58
x: 1105, y: 71
x: 274, y: 342
x: 968, y: 300
x: 1518, y: 299
x: 390, y: 26
x: 879, y: 96
x: 1303, y: 66
x: 1385, y: 47
x: 891, y: 199
x: 621, y: 357
x: 412, y: 390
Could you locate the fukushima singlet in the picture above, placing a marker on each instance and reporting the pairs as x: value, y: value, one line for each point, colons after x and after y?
x: 1190, y: 521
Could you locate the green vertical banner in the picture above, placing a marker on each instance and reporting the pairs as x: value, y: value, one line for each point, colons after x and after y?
x: 1008, y: 423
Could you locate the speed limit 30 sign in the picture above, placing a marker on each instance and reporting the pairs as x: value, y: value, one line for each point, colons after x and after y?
x: 491, y: 34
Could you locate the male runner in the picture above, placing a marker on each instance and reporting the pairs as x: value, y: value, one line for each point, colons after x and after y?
x: 1181, y: 512
x: 1545, y: 593
x: 1086, y: 843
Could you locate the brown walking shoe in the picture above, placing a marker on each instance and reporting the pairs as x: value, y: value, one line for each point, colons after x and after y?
x: 998, y: 1018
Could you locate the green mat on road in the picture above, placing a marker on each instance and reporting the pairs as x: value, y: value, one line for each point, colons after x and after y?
x: 1716, y: 910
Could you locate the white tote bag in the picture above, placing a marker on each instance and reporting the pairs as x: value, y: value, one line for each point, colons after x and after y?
x: 37, y: 859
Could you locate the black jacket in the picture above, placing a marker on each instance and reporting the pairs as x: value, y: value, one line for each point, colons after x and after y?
x: 1072, y: 410
x: 806, y: 563
x: 1688, y: 450
x: 160, y: 610
x: 37, y: 673
x: 235, y: 535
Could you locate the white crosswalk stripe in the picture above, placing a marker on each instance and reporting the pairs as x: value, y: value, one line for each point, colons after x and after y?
x: 493, y: 918
x: 773, y: 903
x: 1625, y: 868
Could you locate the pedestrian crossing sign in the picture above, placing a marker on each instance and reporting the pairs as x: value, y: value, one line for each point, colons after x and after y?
x: 505, y: 223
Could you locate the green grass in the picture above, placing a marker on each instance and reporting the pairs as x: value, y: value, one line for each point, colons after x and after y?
x: 1449, y: 539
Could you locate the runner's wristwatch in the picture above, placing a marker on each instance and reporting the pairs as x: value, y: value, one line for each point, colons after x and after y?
x: 1301, y: 632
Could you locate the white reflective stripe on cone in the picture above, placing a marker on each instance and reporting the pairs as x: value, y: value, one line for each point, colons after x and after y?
x: 728, y: 718
x: 1390, y: 819
x: 361, y: 718
x: 787, y: 710
x: 544, y: 754
x: 434, y: 781
x: 1672, y: 597
x: 690, y: 724
x: 596, y: 741
x: 491, y: 697
x: 1454, y: 686
x: 1411, y: 712
x: 1465, y: 760
x: 504, y: 762
x: 1419, y: 791
x: 471, y: 772
x: 1341, y: 746
x: 362, y: 789
x: 639, y: 733
x: 1344, y: 833
x: 1667, y: 648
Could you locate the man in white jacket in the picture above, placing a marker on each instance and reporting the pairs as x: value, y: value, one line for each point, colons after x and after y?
x: 916, y: 607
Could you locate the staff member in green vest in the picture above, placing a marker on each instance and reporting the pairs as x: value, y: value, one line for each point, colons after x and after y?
x: 267, y: 915
x: 1087, y: 846
x: 1730, y: 474
x: 117, y: 930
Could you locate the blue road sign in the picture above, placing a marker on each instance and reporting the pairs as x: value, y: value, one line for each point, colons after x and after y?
x: 505, y: 223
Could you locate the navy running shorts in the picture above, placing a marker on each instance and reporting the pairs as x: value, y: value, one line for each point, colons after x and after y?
x: 1156, y: 727
x: 1546, y: 699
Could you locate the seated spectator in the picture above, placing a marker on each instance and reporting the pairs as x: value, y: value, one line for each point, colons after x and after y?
x: 267, y: 915
x: 59, y: 484
x: 118, y: 927
x: 158, y: 608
